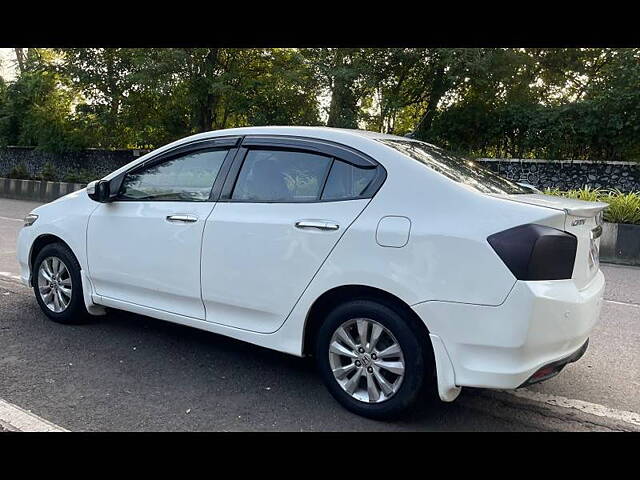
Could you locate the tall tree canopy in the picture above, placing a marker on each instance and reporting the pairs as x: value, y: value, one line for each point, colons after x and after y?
x: 503, y: 102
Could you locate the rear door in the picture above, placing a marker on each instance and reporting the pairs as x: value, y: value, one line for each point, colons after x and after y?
x: 284, y: 206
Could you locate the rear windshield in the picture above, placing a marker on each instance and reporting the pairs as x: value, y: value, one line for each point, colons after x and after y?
x: 456, y: 168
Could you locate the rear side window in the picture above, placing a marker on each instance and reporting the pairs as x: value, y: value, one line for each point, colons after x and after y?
x: 281, y: 176
x: 457, y: 168
x: 347, y: 181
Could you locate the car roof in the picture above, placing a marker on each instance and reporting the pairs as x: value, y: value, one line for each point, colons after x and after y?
x: 309, y: 131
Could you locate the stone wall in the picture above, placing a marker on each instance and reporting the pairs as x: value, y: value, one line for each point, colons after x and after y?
x: 567, y: 175
x: 96, y: 162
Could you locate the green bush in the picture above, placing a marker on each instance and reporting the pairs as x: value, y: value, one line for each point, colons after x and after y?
x: 82, y: 176
x: 623, y: 207
x: 48, y: 172
x: 20, y: 172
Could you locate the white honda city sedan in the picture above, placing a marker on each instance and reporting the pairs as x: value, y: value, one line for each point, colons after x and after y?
x: 393, y: 263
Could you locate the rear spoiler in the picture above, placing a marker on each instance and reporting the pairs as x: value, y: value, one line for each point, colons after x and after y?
x: 571, y: 206
x: 589, y: 210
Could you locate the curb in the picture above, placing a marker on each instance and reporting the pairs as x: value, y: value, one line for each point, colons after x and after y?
x: 620, y: 244
x: 36, y: 190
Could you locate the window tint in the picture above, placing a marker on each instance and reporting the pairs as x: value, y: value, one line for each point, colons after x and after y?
x: 281, y: 176
x: 347, y: 181
x: 186, y: 178
x: 456, y: 168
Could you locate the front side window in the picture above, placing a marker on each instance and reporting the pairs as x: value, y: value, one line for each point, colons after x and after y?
x: 281, y: 176
x: 456, y: 168
x: 187, y: 178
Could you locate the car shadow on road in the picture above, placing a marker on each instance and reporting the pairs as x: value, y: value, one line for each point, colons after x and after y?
x: 130, y: 372
x: 201, y: 362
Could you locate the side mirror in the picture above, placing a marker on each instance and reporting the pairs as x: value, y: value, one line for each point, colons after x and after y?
x: 99, y: 191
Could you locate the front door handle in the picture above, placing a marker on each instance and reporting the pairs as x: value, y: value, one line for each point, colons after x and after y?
x: 182, y: 218
x: 319, y: 224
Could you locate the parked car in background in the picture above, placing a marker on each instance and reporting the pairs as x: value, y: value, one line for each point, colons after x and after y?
x: 392, y: 262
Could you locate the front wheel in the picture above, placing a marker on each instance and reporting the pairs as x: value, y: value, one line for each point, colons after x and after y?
x: 57, y: 284
x: 370, y: 359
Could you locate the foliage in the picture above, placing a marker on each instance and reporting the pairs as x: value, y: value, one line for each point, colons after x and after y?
x: 81, y: 176
x: 623, y: 207
x: 587, y: 193
x: 36, y: 110
x: 20, y: 172
x: 547, y: 103
x: 562, y: 103
x: 48, y: 172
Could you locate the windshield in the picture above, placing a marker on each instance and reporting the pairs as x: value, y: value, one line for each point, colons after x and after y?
x: 456, y: 168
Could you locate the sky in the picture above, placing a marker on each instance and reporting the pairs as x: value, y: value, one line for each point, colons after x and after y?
x: 7, y: 63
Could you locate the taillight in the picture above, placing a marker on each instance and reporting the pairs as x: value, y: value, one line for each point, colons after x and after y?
x: 536, y: 252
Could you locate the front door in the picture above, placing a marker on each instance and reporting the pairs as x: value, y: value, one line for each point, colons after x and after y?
x: 144, y: 247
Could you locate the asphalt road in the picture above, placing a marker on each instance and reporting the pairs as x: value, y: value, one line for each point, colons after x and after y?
x: 128, y: 372
x: 12, y: 213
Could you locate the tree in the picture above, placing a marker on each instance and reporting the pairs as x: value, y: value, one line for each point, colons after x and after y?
x: 36, y: 109
x: 342, y: 73
x: 514, y: 102
x: 147, y: 97
x: 101, y: 75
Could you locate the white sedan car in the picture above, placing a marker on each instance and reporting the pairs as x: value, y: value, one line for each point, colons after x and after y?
x: 392, y: 262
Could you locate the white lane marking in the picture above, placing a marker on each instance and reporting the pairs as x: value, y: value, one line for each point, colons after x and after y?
x: 587, y: 407
x: 11, y: 276
x: 14, y: 219
x: 623, y: 303
x: 22, y: 420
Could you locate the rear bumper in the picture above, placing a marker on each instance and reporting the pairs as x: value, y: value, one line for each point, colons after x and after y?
x: 550, y: 370
x: 502, y: 346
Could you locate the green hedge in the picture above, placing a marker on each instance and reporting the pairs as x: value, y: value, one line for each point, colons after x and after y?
x: 623, y: 207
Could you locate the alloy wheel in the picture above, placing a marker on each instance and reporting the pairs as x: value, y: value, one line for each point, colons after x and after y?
x: 366, y: 360
x: 54, y: 284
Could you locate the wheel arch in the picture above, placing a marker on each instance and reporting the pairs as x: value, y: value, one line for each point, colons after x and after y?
x: 39, y: 243
x: 337, y: 295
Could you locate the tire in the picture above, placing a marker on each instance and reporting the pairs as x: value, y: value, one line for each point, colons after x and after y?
x: 408, y: 386
x: 74, y: 311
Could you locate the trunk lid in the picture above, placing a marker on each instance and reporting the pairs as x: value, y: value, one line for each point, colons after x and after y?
x: 582, y: 219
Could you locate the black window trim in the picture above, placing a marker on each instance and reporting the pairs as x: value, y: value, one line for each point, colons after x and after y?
x: 325, y: 147
x: 334, y: 151
x: 209, y: 144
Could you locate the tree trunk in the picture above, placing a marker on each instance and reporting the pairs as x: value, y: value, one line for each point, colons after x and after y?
x: 115, y: 94
x: 437, y: 91
x: 343, y: 110
x: 20, y: 56
x: 209, y: 101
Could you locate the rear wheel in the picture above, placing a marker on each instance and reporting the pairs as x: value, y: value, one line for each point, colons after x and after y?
x: 370, y: 359
x: 57, y: 284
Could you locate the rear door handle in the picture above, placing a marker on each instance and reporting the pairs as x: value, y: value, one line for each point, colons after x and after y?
x: 182, y: 218
x: 319, y: 224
